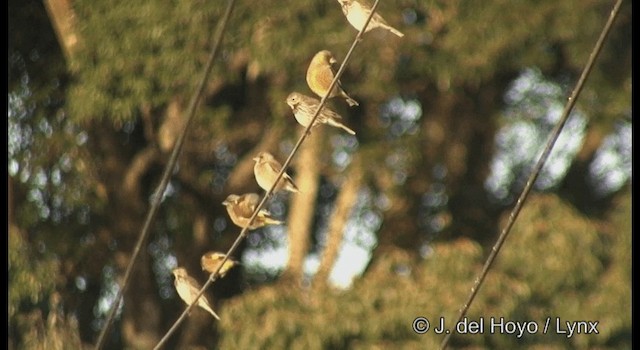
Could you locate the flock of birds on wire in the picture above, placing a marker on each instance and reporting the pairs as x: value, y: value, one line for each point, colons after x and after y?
x: 320, y: 74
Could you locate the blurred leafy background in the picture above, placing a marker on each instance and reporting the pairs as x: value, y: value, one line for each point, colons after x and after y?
x: 396, y: 222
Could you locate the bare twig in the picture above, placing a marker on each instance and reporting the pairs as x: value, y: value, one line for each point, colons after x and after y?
x: 538, y: 167
x: 157, y: 198
x: 244, y: 231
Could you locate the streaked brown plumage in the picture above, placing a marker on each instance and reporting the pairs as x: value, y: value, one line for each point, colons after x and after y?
x: 357, y: 12
x: 211, y: 260
x: 241, y: 208
x: 266, y: 171
x: 320, y: 75
x: 188, y: 289
x: 304, y: 107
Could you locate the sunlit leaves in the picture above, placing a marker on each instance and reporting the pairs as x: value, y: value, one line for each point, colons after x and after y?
x: 534, y: 105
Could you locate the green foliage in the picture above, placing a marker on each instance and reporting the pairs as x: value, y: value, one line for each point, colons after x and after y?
x: 140, y: 53
x: 611, y: 299
x: 552, y: 265
x: 32, y: 283
x: 31, y: 278
x: 547, y: 227
x: 57, y: 333
x: 557, y: 257
x: 68, y: 163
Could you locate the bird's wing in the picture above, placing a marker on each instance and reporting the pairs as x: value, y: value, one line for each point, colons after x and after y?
x: 243, y: 210
x: 325, y: 79
x: 331, y: 114
x: 252, y: 198
x: 248, y: 204
x: 274, y: 166
x: 378, y: 18
x: 193, y: 283
x: 338, y: 86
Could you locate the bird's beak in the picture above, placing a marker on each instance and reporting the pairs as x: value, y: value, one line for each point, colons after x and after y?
x: 225, y: 202
x: 255, y: 158
x: 332, y: 60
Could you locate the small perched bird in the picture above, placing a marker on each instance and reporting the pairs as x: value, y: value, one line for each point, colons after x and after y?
x: 241, y: 208
x: 357, y: 13
x: 211, y: 260
x: 188, y: 289
x: 320, y: 75
x: 304, y: 107
x: 266, y: 171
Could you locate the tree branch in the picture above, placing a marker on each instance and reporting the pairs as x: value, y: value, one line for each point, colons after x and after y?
x: 242, y: 173
x: 138, y: 167
x: 64, y: 22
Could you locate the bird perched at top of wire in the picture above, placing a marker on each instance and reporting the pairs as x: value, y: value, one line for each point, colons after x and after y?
x: 320, y: 75
x: 357, y: 12
x: 241, y: 208
x: 211, y: 260
x: 188, y: 288
x: 266, y: 171
x: 304, y: 107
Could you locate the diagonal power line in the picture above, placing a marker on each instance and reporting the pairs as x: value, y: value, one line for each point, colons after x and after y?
x: 157, y: 197
x: 538, y: 167
x: 244, y: 231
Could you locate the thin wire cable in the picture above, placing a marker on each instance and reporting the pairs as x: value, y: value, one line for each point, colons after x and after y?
x: 538, y: 167
x: 244, y: 231
x: 157, y: 197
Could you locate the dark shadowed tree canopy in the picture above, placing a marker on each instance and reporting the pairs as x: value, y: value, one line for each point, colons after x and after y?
x: 391, y: 224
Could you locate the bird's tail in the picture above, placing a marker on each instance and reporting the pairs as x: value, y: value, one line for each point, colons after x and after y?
x: 289, y: 185
x: 340, y: 125
x: 394, y: 31
x: 351, y: 101
x: 208, y: 308
x: 271, y: 221
x: 293, y: 188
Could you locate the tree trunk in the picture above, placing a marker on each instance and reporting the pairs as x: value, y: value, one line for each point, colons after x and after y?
x: 345, y: 202
x: 141, y: 311
x: 301, y: 212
